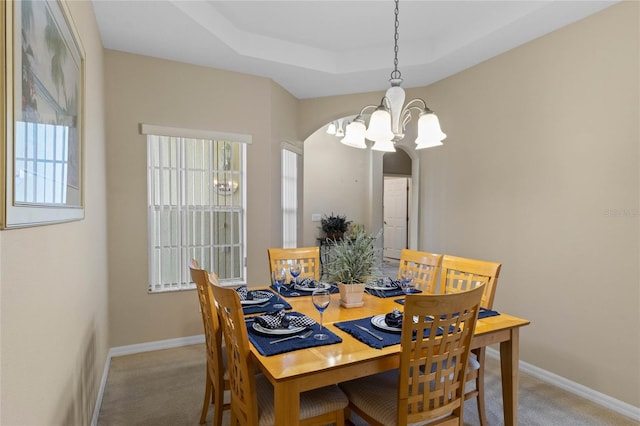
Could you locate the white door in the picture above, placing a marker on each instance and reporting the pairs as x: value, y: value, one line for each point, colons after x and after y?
x: 395, y: 206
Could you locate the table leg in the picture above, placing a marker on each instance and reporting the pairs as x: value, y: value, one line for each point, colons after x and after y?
x: 509, y: 358
x: 286, y: 404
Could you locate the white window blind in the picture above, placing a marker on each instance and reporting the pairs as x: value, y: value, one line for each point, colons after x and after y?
x: 289, y: 198
x: 196, y: 209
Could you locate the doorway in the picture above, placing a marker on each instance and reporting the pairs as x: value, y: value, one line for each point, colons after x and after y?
x: 395, y: 204
x: 397, y: 171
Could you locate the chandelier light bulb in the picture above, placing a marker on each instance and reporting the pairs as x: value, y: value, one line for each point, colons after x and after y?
x: 380, y: 126
x: 429, y: 132
x: 384, y: 146
x: 354, y: 136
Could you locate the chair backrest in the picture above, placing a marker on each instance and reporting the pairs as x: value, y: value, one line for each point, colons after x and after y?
x: 210, y: 321
x: 244, y: 403
x: 425, y: 267
x: 432, y: 368
x: 307, y: 257
x: 461, y: 274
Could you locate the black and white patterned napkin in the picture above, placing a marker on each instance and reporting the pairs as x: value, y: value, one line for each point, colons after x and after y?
x: 280, y: 319
x: 310, y: 283
x: 394, y: 319
x: 386, y: 282
x: 245, y: 294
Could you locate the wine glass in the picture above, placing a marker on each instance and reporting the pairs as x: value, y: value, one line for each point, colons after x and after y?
x: 321, y: 299
x: 295, y: 269
x: 279, y: 276
x: 406, y: 276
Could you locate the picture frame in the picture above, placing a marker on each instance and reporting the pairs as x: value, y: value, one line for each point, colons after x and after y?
x: 43, y: 90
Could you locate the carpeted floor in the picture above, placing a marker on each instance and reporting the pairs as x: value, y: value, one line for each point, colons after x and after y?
x: 166, y: 388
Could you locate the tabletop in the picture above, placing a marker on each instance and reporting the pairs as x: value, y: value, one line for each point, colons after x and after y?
x: 351, y: 351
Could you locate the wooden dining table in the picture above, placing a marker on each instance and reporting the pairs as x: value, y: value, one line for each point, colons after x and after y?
x: 298, y: 371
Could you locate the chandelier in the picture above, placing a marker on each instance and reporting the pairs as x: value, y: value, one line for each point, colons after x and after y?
x: 389, y: 119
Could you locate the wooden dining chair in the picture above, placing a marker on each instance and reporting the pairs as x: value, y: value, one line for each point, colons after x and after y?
x: 425, y: 267
x: 217, y: 380
x: 428, y: 388
x: 460, y: 274
x: 252, y: 394
x: 308, y: 257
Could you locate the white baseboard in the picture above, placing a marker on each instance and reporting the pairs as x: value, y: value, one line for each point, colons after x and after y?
x: 103, y: 383
x: 575, y: 388
x: 155, y: 346
x: 135, y: 349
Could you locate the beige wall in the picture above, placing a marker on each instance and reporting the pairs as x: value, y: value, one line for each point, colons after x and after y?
x: 153, y: 91
x: 540, y: 172
x: 338, y: 181
x: 54, y: 286
x: 284, y: 132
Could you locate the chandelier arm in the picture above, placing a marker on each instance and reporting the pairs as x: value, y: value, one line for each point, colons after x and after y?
x: 406, y: 118
x: 362, y: 111
x: 411, y: 105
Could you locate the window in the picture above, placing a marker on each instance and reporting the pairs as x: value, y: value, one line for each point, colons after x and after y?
x: 289, y: 198
x: 196, y: 209
x: 41, y: 159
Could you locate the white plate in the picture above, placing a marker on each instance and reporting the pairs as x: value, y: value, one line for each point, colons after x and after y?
x: 375, y: 287
x: 254, y: 301
x: 378, y: 321
x: 325, y: 286
x: 277, y: 331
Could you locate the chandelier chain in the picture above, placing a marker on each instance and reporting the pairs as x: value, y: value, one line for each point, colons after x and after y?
x: 396, y: 74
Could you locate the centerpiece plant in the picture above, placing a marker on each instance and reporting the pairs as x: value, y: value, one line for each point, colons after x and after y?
x: 352, y: 262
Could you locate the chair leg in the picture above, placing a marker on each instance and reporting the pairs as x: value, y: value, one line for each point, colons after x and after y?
x: 482, y: 412
x: 218, y: 403
x: 207, y: 399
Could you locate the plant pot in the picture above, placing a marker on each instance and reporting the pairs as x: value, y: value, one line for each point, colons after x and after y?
x: 335, y: 235
x: 351, y: 295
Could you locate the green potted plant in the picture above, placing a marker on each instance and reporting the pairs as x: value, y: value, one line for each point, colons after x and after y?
x: 334, y: 226
x: 352, y: 262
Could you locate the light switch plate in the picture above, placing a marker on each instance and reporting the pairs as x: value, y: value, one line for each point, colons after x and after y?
x: 315, y: 217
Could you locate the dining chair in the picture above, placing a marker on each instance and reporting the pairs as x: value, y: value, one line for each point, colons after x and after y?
x: 308, y: 257
x: 428, y: 388
x: 460, y: 274
x: 425, y: 267
x: 217, y: 381
x: 252, y: 396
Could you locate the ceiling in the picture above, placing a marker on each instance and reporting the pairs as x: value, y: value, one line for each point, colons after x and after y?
x: 323, y: 48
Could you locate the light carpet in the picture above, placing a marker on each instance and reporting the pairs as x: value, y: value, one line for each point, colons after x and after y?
x: 166, y: 387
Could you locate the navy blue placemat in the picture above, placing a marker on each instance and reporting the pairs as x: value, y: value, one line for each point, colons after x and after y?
x: 262, y: 341
x: 389, y: 293
x: 261, y: 308
x: 484, y: 312
x: 388, y: 337
x: 287, y: 290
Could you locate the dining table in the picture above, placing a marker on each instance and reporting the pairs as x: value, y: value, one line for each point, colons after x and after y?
x: 296, y: 371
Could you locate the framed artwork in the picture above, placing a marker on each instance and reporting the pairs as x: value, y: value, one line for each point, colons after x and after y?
x: 43, y: 110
